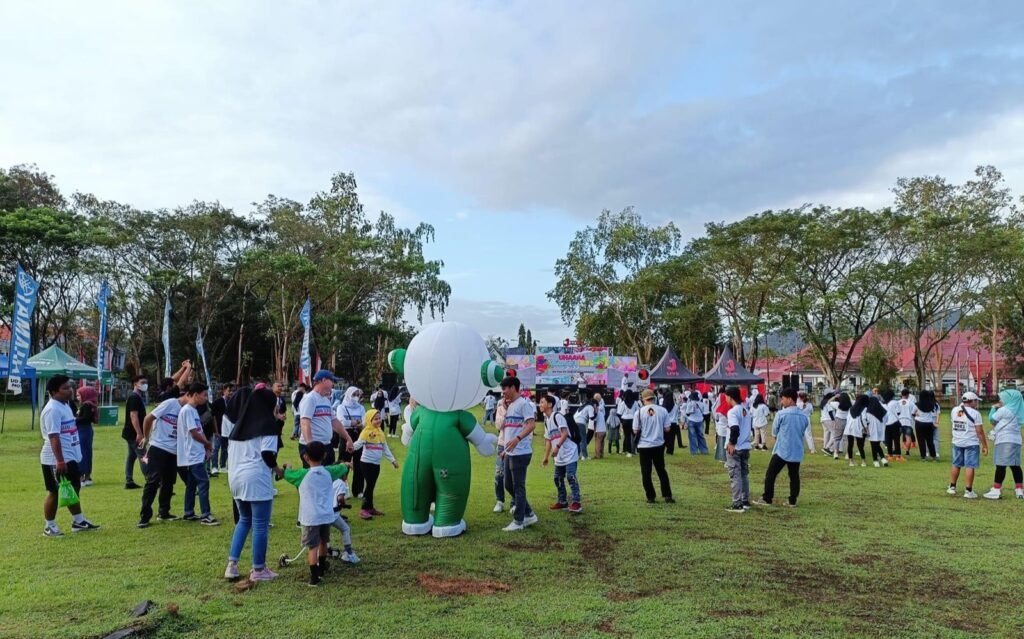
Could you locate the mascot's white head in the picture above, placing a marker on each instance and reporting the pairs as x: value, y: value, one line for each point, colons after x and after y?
x: 447, y: 367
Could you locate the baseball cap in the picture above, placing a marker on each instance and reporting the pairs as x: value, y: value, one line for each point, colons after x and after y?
x: 324, y: 374
x: 970, y: 397
x: 647, y: 394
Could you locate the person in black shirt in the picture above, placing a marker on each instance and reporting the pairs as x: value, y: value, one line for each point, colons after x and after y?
x: 86, y: 416
x: 171, y: 387
x: 219, y: 457
x: 134, y: 413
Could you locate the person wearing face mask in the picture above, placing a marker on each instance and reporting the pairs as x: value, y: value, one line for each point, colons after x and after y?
x: 134, y: 413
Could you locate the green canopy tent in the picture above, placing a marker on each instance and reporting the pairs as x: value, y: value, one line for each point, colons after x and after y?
x: 54, y: 361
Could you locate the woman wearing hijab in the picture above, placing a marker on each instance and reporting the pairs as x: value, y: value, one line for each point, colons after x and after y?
x: 86, y: 416
x: 394, y: 409
x: 925, y: 414
x: 694, y: 414
x: 874, y: 419
x: 892, y: 425
x: 855, y: 429
x: 1007, y: 417
x: 351, y: 413
x: 841, y: 415
x: 252, y: 465
x: 675, y: 434
x: 721, y: 414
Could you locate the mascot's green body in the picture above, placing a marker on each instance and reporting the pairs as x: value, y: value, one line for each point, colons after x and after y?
x: 447, y: 370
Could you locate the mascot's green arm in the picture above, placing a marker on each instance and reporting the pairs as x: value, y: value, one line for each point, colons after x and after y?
x: 294, y: 476
x: 466, y: 423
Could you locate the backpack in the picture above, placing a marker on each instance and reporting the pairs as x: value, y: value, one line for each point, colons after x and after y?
x: 574, y: 433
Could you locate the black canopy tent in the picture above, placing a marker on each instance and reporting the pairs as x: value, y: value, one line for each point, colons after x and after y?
x: 728, y: 371
x: 669, y: 370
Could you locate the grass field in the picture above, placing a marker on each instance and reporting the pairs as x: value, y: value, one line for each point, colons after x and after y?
x: 868, y: 552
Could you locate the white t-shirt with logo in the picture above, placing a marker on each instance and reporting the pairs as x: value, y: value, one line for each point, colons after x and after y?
x: 569, y: 452
x: 516, y: 416
x: 164, y: 434
x: 190, y: 452
x: 739, y: 416
x: 57, y: 419
x: 965, y: 422
x: 651, y: 421
x: 317, y: 409
x: 1006, y: 429
x: 906, y: 412
x: 249, y: 476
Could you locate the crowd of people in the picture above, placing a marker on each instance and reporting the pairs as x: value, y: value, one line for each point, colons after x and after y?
x: 342, y: 444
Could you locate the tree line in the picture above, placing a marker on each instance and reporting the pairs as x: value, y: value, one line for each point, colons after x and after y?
x: 942, y: 256
x: 240, y: 280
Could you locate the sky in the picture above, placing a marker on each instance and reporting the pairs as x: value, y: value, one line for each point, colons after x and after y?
x: 509, y: 126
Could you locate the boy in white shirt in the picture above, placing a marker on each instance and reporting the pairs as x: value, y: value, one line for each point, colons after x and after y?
x: 558, y: 441
x: 968, y: 439
x: 193, y: 449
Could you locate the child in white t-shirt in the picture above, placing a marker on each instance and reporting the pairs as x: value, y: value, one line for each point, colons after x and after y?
x: 559, y: 443
x: 760, y: 414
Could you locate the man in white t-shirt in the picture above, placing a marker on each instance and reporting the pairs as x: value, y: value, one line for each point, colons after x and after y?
x: 517, y: 433
x: 316, y: 417
x: 60, y: 455
x: 737, y: 450
x: 968, y: 441
x: 489, y: 405
x: 160, y: 433
x: 193, y: 450
x: 649, y: 427
x: 558, y: 442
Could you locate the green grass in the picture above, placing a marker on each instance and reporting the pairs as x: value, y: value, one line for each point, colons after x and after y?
x: 869, y: 552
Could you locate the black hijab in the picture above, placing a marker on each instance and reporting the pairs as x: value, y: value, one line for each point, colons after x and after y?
x: 875, y: 408
x: 669, y: 400
x: 859, y: 406
x: 394, y: 393
x: 252, y: 412
x: 926, y: 401
x: 888, y: 396
x: 844, y: 401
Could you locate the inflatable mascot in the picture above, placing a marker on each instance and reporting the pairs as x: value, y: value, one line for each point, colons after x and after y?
x: 447, y: 370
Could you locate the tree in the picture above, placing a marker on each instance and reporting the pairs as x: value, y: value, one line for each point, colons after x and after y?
x: 878, y: 366
x: 946, y: 230
x: 606, y: 282
x: 840, y: 287
x: 522, y: 343
x: 745, y: 262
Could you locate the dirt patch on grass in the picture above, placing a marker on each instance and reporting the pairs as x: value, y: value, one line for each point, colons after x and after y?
x: 607, y: 626
x: 618, y: 595
x: 591, y: 542
x: 538, y: 545
x: 441, y: 586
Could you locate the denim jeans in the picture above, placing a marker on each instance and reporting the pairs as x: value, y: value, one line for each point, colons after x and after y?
x: 295, y: 430
x: 255, y: 516
x: 695, y: 433
x: 219, y: 458
x: 517, y: 465
x: 197, y: 481
x: 85, y: 434
x: 583, y: 439
x: 562, y: 473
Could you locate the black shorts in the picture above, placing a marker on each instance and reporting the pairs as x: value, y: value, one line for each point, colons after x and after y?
x: 50, y: 479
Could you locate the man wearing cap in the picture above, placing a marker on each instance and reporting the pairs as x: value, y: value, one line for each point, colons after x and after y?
x: 788, y: 429
x: 968, y: 440
x: 650, y: 426
x: 316, y: 419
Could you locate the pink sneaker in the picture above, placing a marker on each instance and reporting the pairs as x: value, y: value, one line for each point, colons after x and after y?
x: 365, y: 514
x: 266, y: 574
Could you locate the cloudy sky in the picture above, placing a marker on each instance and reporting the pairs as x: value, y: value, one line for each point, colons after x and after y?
x: 510, y: 125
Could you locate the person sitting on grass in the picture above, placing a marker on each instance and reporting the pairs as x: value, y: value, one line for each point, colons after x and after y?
x: 558, y: 441
x: 60, y: 456
x: 788, y: 429
x: 316, y: 507
x: 374, y: 445
x: 968, y: 440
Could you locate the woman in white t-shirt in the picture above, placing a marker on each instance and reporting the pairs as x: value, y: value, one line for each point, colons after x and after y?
x: 252, y: 466
x: 856, y: 429
x: 760, y: 418
x: 841, y: 414
x: 925, y: 417
x: 874, y: 419
x: 1007, y: 417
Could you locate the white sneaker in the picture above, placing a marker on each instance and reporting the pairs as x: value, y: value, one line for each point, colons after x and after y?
x: 513, y: 527
x: 629, y: 454
x: 350, y: 558
x: 530, y: 520
x: 863, y: 465
x: 87, y: 482
x: 499, y: 507
x: 885, y: 462
x: 951, y: 490
x: 835, y: 456
x: 969, y: 494
x: 231, y: 572
x: 1018, y: 493
x: 995, y: 493
x: 851, y: 464
x: 214, y: 471
x: 877, y: 465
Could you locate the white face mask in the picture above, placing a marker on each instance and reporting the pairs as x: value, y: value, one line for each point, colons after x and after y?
x: 143, y: 387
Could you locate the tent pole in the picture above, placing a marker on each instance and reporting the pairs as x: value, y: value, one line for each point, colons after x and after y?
x: 3, y: 420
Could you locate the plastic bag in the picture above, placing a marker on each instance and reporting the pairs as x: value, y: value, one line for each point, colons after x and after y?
x: 66, y: 495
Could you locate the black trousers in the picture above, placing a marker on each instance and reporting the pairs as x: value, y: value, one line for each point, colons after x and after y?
x: 654, y: 457
x: 850, y: 439
x: 707, y: 427
x: 161, y: 473
x: 627, y: 435
x: 370, y: 474
x: 392, y: 424
x: 1018, y: 476
x: 354, y: 460
x: 775, y: 466
x: 925, y: 438
x: 876, y: 451
x: 892, y: 439
x: 675, y: 438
